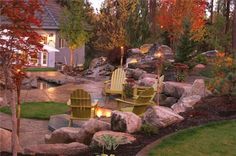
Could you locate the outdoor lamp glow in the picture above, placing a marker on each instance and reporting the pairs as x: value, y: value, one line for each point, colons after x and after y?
x: 99, y: 113
x: 158, y: 54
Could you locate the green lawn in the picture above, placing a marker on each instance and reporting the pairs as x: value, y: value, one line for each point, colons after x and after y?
x: 216, y: 139
x: 40, y: 69
x: 39, y: 110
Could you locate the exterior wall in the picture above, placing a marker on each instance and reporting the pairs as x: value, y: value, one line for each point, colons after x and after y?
x: 51, y: 35
x: 64, y: 55
x: 51, y: 41
x: 51, y: 59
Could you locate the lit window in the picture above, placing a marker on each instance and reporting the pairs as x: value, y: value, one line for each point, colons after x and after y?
x: 44, y: 39
x: 62, y: 43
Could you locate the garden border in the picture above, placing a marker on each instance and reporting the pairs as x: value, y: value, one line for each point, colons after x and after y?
x: 147, y: 148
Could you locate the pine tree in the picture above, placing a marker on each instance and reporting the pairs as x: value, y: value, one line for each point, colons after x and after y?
x: 137, y: 26
x: 186, y: 45
x: 73, y: 26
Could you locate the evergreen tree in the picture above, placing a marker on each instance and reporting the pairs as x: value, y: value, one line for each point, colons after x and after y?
x: 73, y: 26
x: 186, y: 45
x: 111, y: 24
x: 137, y: 27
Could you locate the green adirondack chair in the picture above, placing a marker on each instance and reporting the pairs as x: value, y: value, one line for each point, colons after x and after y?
x: 81, y: 106
x: 115, y: 85
x: 138, y: 105
x: 158, y: 84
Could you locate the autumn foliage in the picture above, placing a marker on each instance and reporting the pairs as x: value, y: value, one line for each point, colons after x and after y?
x: 172, y: 14
x: 18, y: 41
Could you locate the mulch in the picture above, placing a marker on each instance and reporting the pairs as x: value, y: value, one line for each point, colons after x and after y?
x: 209, y: 109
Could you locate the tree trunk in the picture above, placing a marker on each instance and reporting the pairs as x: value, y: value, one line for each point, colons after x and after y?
x: 212, y: 11
x: 234, y: 31
x: 12, y: 102
x: 218, y: 7
x: 71, y: 57
x: 14, y: 137
x: 18, y: 112
x: 152, y: 14
x: 227, y: 12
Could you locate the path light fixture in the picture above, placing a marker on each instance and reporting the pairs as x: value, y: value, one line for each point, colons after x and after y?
x: 160, y: 58
x: 122, y: 55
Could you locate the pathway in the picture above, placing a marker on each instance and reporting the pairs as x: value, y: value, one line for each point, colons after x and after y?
x: 32, y: 132
x: 62, y: 93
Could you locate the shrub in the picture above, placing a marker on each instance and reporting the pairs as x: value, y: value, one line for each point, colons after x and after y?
x: 186, y: 45
x: 111, y: 142
x: 180, y: 77
x: 200, y: 59
x: 128, y: 88
x: 223, y: 86
x: 224, y: 75
x: 148, y: 130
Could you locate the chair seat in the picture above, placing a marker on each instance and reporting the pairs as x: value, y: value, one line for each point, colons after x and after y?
x: 127, y: 109
x: 114, y: 91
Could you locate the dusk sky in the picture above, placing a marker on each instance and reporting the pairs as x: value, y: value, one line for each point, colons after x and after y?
x: 96, y: 3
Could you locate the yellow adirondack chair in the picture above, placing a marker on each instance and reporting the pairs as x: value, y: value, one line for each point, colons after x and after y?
x: 115, y: 85
x: 138, y: 105
x: 158, y: 84
x: 81, y: 106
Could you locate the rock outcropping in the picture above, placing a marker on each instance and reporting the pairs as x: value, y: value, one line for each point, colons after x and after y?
x: 160, y: 116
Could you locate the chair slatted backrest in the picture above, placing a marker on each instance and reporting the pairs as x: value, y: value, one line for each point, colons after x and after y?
x: 145, y: 96
x: 143, y: 101
x: 159, y: 84
x: 81, y: 104
x: 118, y: 79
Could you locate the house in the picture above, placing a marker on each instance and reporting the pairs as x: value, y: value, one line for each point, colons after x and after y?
x: 51, y: 37
x: 56, y: 50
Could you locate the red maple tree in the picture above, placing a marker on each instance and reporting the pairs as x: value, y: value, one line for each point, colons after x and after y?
x: 172, y: 14
x: 18, y: 42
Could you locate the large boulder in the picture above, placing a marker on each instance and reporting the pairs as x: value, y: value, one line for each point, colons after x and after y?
x: 197, y: 69
x: 135, y: 73
x: 74, y: 149
x: 169, y: 101
x: 125, y: 122
x: 160, y: 116
x: 1, y: 101
x: 146, y: 81
x: 119, y: 137
x: 5, y: 141
x: 186, y: 103
x: 97, y: 62
x: 68, y: 135
x: 176, y: 89
x: 148, y: 75
x: 30, y: 82
x: 199, y: 88
x: 61, y: 120
x: 145, y: 48
x: 167, y: 51
x: 93, y: 125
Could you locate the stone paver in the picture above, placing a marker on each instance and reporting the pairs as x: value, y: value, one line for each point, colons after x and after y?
x: 61, y: 93
x: 32, y: 132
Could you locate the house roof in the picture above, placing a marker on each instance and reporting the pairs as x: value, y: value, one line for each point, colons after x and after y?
x: 50, y: 16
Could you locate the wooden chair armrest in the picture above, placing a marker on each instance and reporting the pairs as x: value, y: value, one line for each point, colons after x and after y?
x: 74, y: 106
x: 126, y: 102
x: 107, y: 81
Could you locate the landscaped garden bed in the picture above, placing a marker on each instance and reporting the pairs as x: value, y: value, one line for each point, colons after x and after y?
x: 207, y: 110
